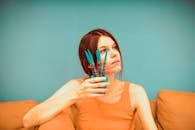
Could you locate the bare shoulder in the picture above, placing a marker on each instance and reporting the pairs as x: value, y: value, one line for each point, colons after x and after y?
x: 137, y: 93
x: 68, y: 86
x: 74, y: 82
x: 136, y: 89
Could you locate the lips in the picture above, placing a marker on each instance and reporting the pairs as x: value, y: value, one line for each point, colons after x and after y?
x: 116, y: 61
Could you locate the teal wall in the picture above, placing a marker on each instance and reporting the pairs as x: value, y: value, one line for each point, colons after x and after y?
x: 39, y: 41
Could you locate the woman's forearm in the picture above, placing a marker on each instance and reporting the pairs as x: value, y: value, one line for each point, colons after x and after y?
x: 46, y: 110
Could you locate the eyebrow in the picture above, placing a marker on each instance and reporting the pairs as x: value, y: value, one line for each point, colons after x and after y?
x: 114, y: 44
x: 102, y: 47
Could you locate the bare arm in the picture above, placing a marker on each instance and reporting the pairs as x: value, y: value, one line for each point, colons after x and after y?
x: 141, y: 103
x: 62, y: 99
x: 52, y: 106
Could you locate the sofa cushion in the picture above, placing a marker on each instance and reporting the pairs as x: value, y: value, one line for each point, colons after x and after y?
x: 12, y: 112
x: 175, y: 110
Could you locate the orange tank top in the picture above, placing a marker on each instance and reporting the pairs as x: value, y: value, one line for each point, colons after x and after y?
x: 96, y: 115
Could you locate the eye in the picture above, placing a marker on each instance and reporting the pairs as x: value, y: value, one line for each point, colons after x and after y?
x: 102, y: 51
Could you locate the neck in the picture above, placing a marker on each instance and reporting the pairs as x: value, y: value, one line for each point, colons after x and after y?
x: 111, y: 78
x: 114, y: 87
x: 112, y: 81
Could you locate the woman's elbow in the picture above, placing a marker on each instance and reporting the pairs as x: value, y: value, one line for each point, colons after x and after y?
x: 29, y: 120
x: 26, y: 122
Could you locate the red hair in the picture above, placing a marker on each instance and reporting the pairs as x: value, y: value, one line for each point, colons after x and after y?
x: 90, y: 41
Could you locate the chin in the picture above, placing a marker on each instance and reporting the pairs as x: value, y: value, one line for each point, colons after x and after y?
x: 118, y: 69
x: 114, y: 70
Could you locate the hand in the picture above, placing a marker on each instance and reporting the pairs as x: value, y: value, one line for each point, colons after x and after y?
x: 92, y: 87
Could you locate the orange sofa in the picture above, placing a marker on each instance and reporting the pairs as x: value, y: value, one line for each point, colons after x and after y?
x: 172, y: 110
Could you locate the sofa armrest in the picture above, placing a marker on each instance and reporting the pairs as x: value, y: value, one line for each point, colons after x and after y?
x: 175, y: 110
x: 12, y: 112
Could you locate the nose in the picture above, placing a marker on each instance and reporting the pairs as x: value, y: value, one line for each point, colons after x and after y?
x: 112, y: 53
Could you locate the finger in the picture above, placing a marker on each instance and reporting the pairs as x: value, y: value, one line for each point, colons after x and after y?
x: 97, y: 90
x: 96, y: 94
x: 99, y: 85
x: 96, y: 79
x: 91, y: 93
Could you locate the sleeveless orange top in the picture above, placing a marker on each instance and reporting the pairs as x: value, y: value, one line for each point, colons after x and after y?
x: 96, y: 115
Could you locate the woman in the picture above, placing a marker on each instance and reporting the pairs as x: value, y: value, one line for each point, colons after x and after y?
x: 101, y: 105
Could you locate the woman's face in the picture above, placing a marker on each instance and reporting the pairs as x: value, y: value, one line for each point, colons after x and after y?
x: 113, y: 62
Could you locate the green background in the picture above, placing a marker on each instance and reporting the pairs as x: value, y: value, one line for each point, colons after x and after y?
x: 39, y: 41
